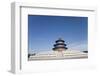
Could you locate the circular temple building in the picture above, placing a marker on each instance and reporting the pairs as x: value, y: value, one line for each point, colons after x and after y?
x: 60, y: 45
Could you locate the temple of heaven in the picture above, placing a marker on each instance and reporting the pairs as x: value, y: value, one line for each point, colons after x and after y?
x: 60, y: 51
x: 60, y: 45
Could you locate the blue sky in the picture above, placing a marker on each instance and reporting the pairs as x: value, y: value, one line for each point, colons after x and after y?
x: 44, y: 30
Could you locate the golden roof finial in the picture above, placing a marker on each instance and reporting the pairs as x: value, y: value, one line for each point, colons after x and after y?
x: 60, y: 38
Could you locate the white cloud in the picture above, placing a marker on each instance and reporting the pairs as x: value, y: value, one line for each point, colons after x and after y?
x: 81, y: 46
